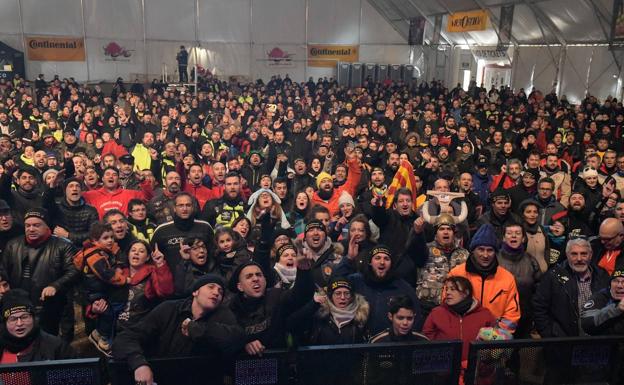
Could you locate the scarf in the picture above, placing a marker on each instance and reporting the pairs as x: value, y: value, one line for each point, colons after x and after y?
x: 531, y: 229
x: 341, y: 317
x: 511, y: 253
x: 14, y: 344
x: 286, y: 274
x: 317, y: 254
x: 38, y: 242
x: 462, y: 306
x: 183, y: 224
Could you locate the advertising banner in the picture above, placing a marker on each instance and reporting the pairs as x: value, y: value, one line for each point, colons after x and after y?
x: 467, y: 21
x: 47, y: 48
x: 325, y: 55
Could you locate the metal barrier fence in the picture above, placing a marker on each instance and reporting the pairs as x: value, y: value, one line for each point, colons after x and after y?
x: 551, y: 361
x: 591, y: 360
x: 86, y: 371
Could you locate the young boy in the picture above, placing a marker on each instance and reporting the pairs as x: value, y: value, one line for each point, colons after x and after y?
x: 401, y: 315
x: 97, y: 260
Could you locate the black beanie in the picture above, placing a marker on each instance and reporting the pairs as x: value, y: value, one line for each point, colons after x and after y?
x: 14, y: 301
x: 39, y: 212
x: 206, y: 279
x: 232, y: 285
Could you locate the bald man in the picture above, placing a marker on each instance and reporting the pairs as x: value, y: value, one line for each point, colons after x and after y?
x: 607, y: 248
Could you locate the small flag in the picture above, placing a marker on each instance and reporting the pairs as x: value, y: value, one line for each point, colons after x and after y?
x: 404, y: 177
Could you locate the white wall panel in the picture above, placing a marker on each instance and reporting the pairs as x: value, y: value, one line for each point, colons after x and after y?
x: 278, y: 21
x: 390, y: 54
x: 9, y: 16
x: 604, y: 73
x: 222, y: 21
x: 334, y: 22
x: 170, y: 20
x: 535, y: 67
x: 52, y: 17
x: 293, y: 62
x: 375, y: 29
x: 119, y: 19
x: 575, y: 73
x: 106, y: 67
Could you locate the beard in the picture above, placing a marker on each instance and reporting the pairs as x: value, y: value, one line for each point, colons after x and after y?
x: 325, y: 194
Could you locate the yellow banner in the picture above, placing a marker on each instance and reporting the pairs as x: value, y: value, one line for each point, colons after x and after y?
x: 324, y: 55
x: 467, y: 21
x: 46, y: 48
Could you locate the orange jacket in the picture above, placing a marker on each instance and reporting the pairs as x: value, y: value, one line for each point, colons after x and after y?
x: 350, y: 186
x: 497, y: 293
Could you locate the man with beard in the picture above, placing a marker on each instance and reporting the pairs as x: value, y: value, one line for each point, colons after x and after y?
x: 395, y: 226
x: 197, y: 325
x: 254, y: 169
x: 72, y: 217
x: 561, y: 179
x: 392, y: 165
x: 579, y: 221
x: 226, y: 210
x: 169, y: 235
x: 551, y: 210
x: 526, y: 189
x: 22, y: 339
x: 509, y: 176
x: 8, y: 228
x: 562, y: 291
x: 127, y: 177
x: 434, y: 259
x: 195, y: 186
x: 112, y: 196
x: 377, y: 187
x: 160, y: 208
x: 447, y: 165
x: 499, y: 213
x: 27, y: 195
x: 327, y: 195
x: 319, y: 248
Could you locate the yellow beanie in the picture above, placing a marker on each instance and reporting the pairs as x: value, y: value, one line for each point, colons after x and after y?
x: 321, y: 176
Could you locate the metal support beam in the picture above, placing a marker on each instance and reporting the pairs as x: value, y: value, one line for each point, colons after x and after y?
x: 539, y: 15
x: 430, y: 21
x: 496, y: 21
x: 383, y: 14
x: 599, y: 15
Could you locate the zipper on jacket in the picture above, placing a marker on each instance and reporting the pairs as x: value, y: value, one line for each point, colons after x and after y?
x: 496, y: 296
x: 461, y: 328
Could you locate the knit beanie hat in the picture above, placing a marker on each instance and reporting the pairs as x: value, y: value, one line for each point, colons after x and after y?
x: 283, y: 248
x: 485, y: 236
x: 322, y: 176
x: 40, y: 213
x: 315, y: 224
x: 345, y: 197
x: 336, y: 283
x: 14, y: 301
x: 533, y: 172
x: 206, y: 279
x: 48, y: 172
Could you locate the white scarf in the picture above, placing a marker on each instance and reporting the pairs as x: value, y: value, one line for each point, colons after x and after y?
x: 341, y: 317
x: 286, y: 274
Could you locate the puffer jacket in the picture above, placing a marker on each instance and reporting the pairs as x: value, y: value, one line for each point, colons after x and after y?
x: 75, y: 219
x: 444, y: 324
x: 53, y: 267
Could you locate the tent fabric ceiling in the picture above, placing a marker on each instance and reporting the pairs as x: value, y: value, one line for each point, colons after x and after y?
x: 541, y: 22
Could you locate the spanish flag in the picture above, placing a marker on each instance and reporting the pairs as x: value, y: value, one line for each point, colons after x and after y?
x: 404, y: 177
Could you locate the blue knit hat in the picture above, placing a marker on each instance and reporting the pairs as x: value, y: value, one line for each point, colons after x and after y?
x: 485, y: 236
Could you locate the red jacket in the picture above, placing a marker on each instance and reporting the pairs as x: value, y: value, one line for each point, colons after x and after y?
x: 103, y: 200
x: 444, y: 324
x: 159, y: 284
x: 202, y: 193
x: 353, y: 179
x: 112, y: 147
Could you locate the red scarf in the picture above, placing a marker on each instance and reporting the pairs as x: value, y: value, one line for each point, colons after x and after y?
x: 38, y: 242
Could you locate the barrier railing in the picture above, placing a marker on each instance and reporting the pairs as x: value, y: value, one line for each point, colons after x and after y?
x: 591, y: 360
x: 552, y: 361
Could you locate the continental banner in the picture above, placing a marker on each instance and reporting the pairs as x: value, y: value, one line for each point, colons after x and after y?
x: 324, y: 55
x: 47, y: 48
x: 467, y: 21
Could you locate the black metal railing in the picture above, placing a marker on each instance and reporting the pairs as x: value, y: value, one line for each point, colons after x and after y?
x: 586, y: 360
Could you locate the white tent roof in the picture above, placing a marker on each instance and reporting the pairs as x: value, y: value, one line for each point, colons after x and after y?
x: 539, y: 22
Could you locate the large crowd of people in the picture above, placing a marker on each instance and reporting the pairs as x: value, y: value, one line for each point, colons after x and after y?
x: 247, y: 217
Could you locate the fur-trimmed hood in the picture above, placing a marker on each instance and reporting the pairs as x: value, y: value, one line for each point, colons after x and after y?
x: 361, y: 314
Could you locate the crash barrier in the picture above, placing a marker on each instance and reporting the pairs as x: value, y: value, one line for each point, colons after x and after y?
x: 86, y: 371
x: 590, y: 360
x: 431, y: 363
x: 552, y: 361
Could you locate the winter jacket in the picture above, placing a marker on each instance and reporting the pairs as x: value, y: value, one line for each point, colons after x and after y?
x: 168, y: 236
x: 147, y: 286
x: 264, y: 318
x: 444, y: 324
x: 601, y: 315
x: 555, y: 303
x: 550, y: 211
x: 185, y: 274
x: 19, y: 201
x: 202, y: 193
x: 322, y: 330
x: 104, y: 200
x: 223, y: 211
x: 378, y: 293
x: 101, y: 270
x: 497, y: 222
x: 350, y: 186
x: 326, y: 261
x: 53, y: 266
x: 45, y: 347
x: 77, y: 220
x: 497, y: 292
x: 598, y: 252
x: 159, y: 335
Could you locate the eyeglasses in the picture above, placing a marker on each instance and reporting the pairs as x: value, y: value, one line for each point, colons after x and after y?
x: 24, y: 318
x: 345, y: 294
x: 608, y: 239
